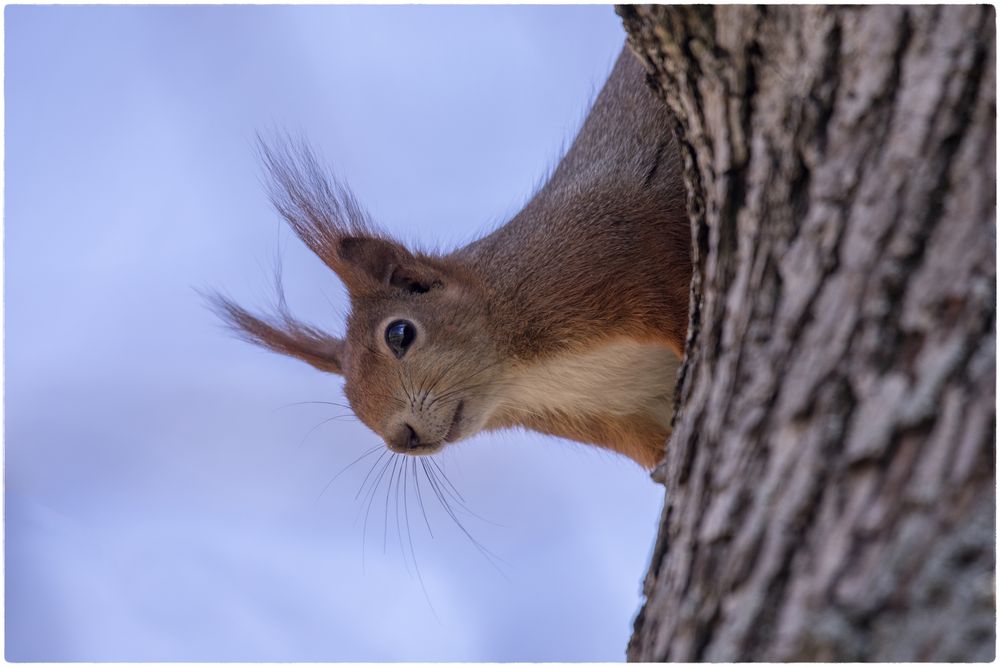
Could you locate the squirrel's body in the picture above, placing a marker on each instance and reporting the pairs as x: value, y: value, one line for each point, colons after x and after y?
x: 569, y: 319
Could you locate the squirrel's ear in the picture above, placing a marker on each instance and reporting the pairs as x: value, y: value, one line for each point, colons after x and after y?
x: 372, y: 263
x: 284, y: 335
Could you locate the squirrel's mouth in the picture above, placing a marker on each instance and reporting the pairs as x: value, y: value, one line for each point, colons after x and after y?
x: 454, y: 430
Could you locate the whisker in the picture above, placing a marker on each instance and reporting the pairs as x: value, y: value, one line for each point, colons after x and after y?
x: 395, y: 399
x: 369, y: 496
x: 405, y: 371
x: 370, y: 471
x: 440, y: 470
x: 414, y: 389
x: 458, y: 496
x: 456, y: 387
x: 438, y: 377
x: 447, y: 369
x: 388, y: 490
x: 371, y: 500
x: 489, y: 555
x: 402, y: 385
x: 463, y: 387
x: 420, y: 388
x: 325, y: 421
x: 345, y: 468
x: 465, y: 379
x: 420, y: 499
x: 413, y: 552
x: 504, y: 403
x: 399, y: 531
x: 298, y: 403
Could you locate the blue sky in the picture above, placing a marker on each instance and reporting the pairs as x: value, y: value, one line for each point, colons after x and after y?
x: 159, y: 504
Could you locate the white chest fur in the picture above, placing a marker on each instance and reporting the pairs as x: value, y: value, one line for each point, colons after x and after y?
x: 618, y: 379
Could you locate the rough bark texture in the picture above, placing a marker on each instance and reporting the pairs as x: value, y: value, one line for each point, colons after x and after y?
x: 830, y: 480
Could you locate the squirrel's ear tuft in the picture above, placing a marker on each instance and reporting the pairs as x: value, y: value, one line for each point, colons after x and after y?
x: 324, y: 213
x: 371, y: 263
x: 283, y: 334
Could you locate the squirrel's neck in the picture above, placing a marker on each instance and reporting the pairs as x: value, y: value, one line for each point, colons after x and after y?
x: 602, y: 250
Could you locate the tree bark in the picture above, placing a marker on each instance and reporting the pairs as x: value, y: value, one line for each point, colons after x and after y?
x: 830, y: 481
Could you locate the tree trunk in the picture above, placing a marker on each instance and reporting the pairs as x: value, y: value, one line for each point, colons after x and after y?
x: 830, y: 478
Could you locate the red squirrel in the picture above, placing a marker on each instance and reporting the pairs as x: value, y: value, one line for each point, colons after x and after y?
x: 570, y: 319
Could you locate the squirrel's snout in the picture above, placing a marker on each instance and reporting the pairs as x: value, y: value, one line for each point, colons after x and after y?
x: 407, y: 441
x: 404, y: 439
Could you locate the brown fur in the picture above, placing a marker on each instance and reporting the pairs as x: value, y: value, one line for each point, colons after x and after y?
x: 598, y: 260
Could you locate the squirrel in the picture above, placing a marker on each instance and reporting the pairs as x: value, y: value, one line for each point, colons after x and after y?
x: 570, y: 319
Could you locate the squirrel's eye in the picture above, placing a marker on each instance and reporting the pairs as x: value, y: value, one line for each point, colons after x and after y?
x: 399, y: 336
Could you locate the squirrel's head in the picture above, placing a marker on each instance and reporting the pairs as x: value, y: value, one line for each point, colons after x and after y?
x: 418, y: 351
x: 420, y: 354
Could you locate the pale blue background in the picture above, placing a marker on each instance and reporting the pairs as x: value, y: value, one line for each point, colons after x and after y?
x: 157, y: 506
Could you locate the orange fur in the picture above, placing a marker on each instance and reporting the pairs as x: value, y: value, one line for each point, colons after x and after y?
x: 557, y: 321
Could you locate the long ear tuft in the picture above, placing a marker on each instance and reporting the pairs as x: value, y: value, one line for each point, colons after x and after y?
x: 324, y: 213
x: 282, y: 333
x: 321, y: 210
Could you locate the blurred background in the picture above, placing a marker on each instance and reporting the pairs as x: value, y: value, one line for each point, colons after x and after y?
x: 164, y: 501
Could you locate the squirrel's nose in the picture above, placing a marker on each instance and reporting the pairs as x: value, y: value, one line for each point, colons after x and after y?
x: 412, y: 439
x: 405, y: 439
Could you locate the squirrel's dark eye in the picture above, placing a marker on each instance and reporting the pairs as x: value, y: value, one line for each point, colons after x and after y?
x: 399, y: 336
